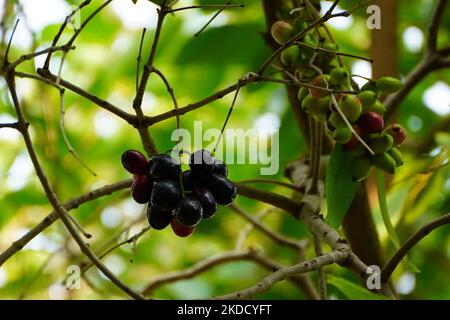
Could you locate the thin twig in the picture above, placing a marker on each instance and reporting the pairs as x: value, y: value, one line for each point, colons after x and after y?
x: 207, y: 6
x: 275, y: 236
x: 410, y: 243
x: 19, y: 244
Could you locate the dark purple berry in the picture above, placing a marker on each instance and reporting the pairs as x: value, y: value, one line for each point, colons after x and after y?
x: 207, y: 200
x: 181, y: 230
x: 201, y: 161
x: 223, y: 189
x: 191, y: 180
x: 163, y: 167
x: 141, y: 189
x: 165, y: 195
x: 220, y: 167
x: 134, y: 162
x: 189, y: 212
x: 158, y: 219
x: 370, y: 123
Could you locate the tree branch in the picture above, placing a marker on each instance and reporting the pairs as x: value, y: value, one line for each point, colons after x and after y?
x: 53, y: 216
x: 209, y: 263
x: 337, y: 256
x: 432, y: 60
x: 99, y: 102
x: 410, y: 243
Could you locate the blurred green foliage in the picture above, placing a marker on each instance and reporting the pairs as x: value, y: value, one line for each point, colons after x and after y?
x: 104, y: 63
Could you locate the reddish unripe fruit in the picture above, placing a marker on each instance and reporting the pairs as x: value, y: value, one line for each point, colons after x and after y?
x: 134, y: 162
x: 319, y: 81
x: 281, y: 31
x: 141, y: 189
x: 370, y: 123
x: 397, y: 132
x: 354, y: 142
x: 181, y: 230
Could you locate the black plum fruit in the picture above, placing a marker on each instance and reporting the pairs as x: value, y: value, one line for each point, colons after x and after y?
x: 191, y: 180
x: 189, y: 212
x: 141, y: 189
x: 181, y: 230
x: 163, y: 167
x: 220, y: 167
x: 158, y: 219
x: 223, y: 189
x: 207, y: 200
x: 201, y: 161
x: 165, y: 195
x: 134, y: 162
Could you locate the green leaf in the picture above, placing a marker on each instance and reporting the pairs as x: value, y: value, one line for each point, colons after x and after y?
x: 340, y: 187
x: 351, y: 290
x: 387, y: 220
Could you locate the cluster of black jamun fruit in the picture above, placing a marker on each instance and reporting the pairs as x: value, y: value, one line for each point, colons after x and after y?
x: 181, y: 199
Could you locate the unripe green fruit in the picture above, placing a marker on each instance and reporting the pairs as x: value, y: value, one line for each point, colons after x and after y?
x: 302, y: 93
x: 397, y: 156
x: 370, y: 86
x: 356, y: 152
x: 290, y: 55
x: 389, y: 84
x: 317, y: 107
x: 384, y: 162
x: 361, y: 168
x: 368, y: 99
x: 351, y: 107
x: 381, y: 144
x: 335, y: 120
x: 342, y: 135
x: 310, y: 41
x: 378, y: 107
x: 281, y: 31
x: 339, y: 77
x: 320, y: 81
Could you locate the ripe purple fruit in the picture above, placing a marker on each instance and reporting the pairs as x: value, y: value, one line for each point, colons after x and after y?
x: 207, y: 200
x: 370, y: 123
x: 158, y: 219
x: 163, y: 167
x: 223, y: 189
x: 181, y: 230
x: 189, y: 212
x: 220, y: 168
x: 134, y: 162
x: 201, y: 161
x: 165, y: 195
x: 192, y: 180
x: 141, y: 189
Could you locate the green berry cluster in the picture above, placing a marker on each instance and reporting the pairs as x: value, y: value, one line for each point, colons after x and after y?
x: 352, y: 116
